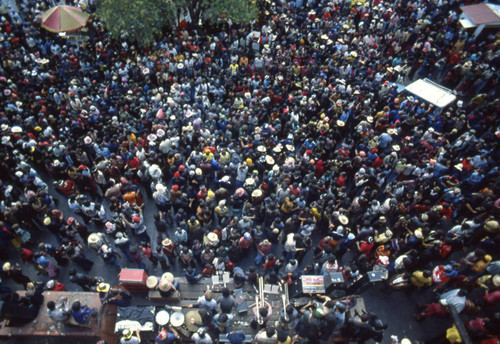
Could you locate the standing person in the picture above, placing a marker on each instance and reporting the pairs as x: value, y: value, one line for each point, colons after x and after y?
x: 123, y: 243
x: 263, y: 249
x: 166, y: 337
x: 136, y: 255
x: 161, y: 258
x: 15, y: 273
x: 136, y: 224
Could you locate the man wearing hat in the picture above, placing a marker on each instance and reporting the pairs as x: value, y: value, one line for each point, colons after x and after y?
x: 206, y: 301
x: 263, y: 249
x: 129, y: 338
x: 165, y: 337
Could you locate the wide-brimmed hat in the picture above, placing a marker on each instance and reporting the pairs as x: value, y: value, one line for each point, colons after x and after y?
x: 103, y: 287
x: 93, y: 238
x: 257, y: 193
x: 152, y: 282
x: 270, y: 160
x: 166, y: 242
x: 343, y: 219
x: 164, y: 285
x: 212, y: 237
x: 168, y: 276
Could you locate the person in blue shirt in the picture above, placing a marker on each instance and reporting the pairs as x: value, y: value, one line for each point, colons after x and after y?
x: 82, y: 314
x: 165, y: 336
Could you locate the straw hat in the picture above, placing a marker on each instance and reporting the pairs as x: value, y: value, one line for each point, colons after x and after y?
x: 343, y: 219
x: 257, y: 193
x: 145, y: 71
x: 392, y: 131
x: 212, y: 238
x: 6, y: 266
x: 250, y: 181
x: 152, y: 282
x: 261, y: 149
x: 396, y: 148
x: 16, y: 129
x: 164, y: 285
x: 166, y: 242
x: 93, y: 238
x: 168, y: 276
x: 270, y: 160
x: 290, y: 147
x: 340, y: 123
x: 103, y: 287
x: 277, y: 148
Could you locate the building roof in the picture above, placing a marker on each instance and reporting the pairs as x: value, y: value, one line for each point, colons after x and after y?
x: 482, y: 13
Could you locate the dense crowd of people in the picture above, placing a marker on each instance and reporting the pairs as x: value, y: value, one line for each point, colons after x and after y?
x: 264, y: 141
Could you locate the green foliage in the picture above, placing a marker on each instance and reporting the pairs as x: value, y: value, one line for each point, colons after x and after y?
x: 141, y: 21
x: 239, y: 11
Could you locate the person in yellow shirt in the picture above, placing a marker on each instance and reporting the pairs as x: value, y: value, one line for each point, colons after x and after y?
x: 421, y: 278
x: 482, y: 264
x: 284, y: 338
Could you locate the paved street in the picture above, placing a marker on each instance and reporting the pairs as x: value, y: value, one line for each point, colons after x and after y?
x: 397, y: 308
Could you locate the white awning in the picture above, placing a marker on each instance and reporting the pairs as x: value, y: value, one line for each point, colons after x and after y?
x: 431, y: 92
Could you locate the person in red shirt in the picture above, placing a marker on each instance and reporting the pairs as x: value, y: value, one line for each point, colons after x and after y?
x: 366, y: 247
x: 341, y: 179
x: 270, y: 261
x: 245, y: 243
x: 55, y: 285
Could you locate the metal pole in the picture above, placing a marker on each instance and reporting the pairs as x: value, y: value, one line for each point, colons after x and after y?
x: 459, y: 324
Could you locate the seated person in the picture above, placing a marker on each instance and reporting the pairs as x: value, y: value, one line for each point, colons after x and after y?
x: 82, y: 314
x: 167, y: 288
x: 59, y: 312
x: 20, y: 311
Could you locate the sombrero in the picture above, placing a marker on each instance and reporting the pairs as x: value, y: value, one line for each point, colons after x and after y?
x: 103, y: 287
x: 164, y: 285
x: 168, y: 276
x: 269, y: 160
x: 343, y: 219
x: 212, y: 238
x: 93, y: 238
x: 152, y: 282
x: 257, y: 193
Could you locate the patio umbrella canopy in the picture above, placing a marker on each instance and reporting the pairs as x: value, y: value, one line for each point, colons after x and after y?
x: 64, y: 19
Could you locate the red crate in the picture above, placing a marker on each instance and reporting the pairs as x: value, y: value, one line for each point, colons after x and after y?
x: 134, y: 279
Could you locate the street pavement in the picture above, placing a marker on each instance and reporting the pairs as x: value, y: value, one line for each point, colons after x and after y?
x: 396, y: 308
